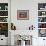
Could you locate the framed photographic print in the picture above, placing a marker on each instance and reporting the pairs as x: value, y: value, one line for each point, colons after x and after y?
x: 22, y: 14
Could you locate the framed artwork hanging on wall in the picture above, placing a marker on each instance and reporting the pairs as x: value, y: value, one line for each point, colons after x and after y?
x: 22, y: 14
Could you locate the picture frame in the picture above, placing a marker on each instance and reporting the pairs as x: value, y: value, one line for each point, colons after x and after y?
x: 22, y: 14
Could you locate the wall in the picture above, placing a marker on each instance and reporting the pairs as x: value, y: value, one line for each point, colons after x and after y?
x: 24, y: 5
x: 32, y: 6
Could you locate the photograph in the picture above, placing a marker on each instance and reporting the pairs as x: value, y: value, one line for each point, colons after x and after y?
x: 22, y: 14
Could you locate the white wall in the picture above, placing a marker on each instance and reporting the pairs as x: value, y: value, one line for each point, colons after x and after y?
x: 32, y: 6
x: 24, y: 5
x: 24, y: 24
